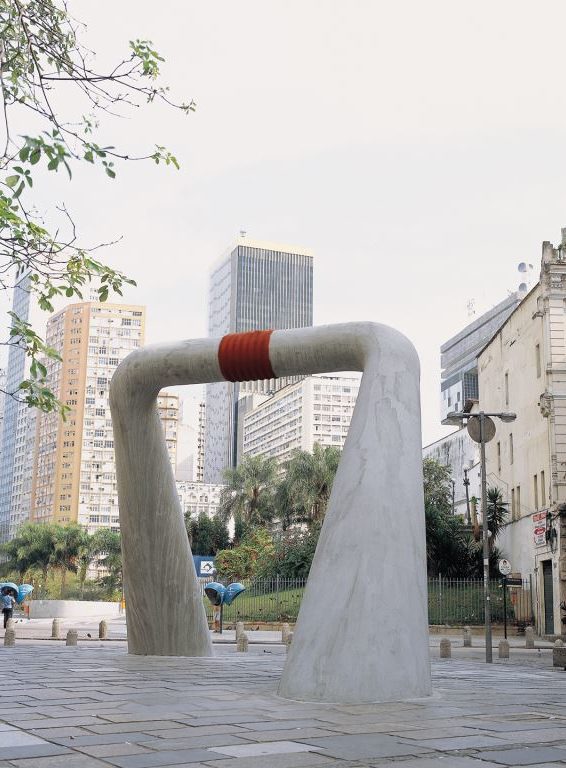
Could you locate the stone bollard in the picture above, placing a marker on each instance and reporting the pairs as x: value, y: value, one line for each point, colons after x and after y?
x: 288, y: 641
x: 467, y: 637
x: 10, y: 637
x: 72, y: 637
x: 55, y: 630
x: 239, y: 630
x: 504, y: 649
x: 103, y: 630
x: 10, y: 624
x: 285, y: 629
x: 529, y: 637
x: 558, y: 643
x: 242, y: 644
x: 445, y: 648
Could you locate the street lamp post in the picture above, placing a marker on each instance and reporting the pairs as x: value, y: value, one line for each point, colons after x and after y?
x: 481, y: 437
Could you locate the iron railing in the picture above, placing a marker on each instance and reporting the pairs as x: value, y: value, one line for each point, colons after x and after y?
x: 450, y: 601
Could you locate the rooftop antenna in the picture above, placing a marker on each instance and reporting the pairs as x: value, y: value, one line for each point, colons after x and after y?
x: 471, y: 305
x: 243, y: 233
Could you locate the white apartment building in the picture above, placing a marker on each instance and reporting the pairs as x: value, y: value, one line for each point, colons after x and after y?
x: 317, y: 409
x: 523, y: 370
x: 197, y: 498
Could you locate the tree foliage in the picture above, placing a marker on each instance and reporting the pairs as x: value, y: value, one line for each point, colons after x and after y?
x: 66, y: 549
x: 246, y: 560
x: 43, y: 63
x: 451, y: 548
x: 206, y: 535
x: 249, y: 495
x: 304, y: 492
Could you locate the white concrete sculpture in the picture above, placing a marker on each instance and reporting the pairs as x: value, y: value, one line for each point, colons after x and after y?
x: 362, y: 631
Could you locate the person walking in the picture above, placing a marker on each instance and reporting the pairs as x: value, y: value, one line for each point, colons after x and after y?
x: 8, y: 603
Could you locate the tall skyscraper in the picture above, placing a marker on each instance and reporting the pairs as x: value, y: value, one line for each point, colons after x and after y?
x: 17, y: 432
x: 74, y: 477
x: 257, y: 285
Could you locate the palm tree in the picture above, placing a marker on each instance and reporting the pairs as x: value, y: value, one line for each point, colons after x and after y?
x: 107, y: 547
x: 309, y: 482
x: 248, y: 495
x: 32, y: 547
x: 497, y: 511
x: 70, y: 542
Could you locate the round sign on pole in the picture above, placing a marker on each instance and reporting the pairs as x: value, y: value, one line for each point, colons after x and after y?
x: 504, y: 567
x: 474, y: 429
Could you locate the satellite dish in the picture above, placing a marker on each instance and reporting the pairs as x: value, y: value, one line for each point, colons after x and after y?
x: 523, y: 287
x: 522, y: 267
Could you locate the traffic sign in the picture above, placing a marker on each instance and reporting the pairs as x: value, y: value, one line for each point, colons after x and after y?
x: 504, y: 567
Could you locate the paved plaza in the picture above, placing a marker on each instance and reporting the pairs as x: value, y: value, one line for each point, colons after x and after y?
x: 94, y: 706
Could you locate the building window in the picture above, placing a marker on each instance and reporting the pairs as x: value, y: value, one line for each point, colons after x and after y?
x: 518, y: 501
x: 535, y: 490
x: 499, y: 457
x: 506, y: 389
x: 513, y: 513
x: 537, y: 360
x: 542, y: 489
x: 510, y: 449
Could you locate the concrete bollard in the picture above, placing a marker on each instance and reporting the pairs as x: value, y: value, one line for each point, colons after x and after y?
x: 72, y: 637
x: 285, y: 629
x: 467, y: 637
x: 558, y: 643
x: 10, y: 624
x: 504, y: 649
x: 239, y: 630
x: 445, y: 648
x: 56, y: 629
x: 529, y: 637
x: 242, y: 644
x: 10, y: 637
x: 103, y: 630
x: 288, y: 641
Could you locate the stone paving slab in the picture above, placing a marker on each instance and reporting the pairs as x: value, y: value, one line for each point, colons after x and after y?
x: 111, y: 709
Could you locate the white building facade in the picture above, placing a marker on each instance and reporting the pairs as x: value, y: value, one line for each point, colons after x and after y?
x: 523, y: 370
x: 317, y: 409
x: 461, y: 454
x: 199, y: 498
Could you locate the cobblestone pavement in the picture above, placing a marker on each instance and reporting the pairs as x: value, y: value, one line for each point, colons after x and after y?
x: 95, y: 706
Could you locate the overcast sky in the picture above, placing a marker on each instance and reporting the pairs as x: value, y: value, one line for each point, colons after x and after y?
x: 417, y: 148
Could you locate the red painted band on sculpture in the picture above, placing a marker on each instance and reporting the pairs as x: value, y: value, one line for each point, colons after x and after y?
x: 245, y: 356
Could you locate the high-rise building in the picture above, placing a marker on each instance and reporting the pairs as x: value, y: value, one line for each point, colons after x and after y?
x: 17, y: 432
x: 74, y: 477
x: 168, y: 409
x: 256, y: 286
x: 201, y: 442
x: 459, y: 378
x: 317, y: 409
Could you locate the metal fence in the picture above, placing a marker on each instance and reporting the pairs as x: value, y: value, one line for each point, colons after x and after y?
x: 450, y: 601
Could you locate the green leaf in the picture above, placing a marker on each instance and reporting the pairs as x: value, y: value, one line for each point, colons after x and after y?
x: 35, y: 156
x: 11, y: 181
x: 52, y: 164
x: 111, y: 173
x: 24, y: 153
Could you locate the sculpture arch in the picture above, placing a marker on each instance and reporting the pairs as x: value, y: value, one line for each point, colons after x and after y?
x: 362, y: 631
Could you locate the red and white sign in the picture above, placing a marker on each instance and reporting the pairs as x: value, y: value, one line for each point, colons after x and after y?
x: 539, y: 529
